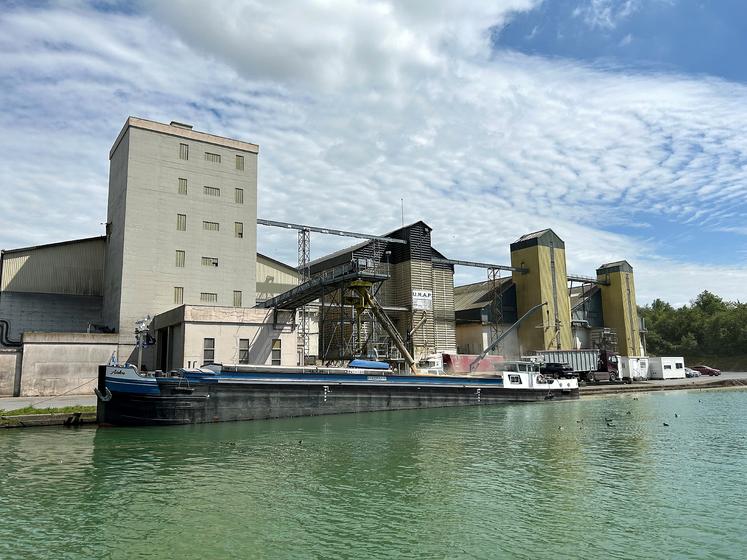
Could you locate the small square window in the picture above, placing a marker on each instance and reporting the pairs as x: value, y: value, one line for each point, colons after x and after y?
x: 239, y: 196
x: 182, y: 186
x: 183, y: 151
x: 214, y: 158
x: 180, y: 257
x: 208, y: 350
x: 178, y: 295
x: 211, y: 191
x: 181, y: 222
x: 237, y: 298
x: 240, y: 163
x: 210, y: 261
x: 238, y: 228
x: 208, y: 297
x: 211, y: 226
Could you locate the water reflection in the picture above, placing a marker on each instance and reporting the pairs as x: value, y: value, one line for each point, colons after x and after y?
x: 520, y: 481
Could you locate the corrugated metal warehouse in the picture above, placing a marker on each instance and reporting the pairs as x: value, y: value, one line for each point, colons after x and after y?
x: 53, y: 288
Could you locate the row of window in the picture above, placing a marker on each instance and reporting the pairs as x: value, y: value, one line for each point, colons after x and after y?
x: 211, y: 157
x: 208, y: 351
x: 181, y: 225
x: 205, y: 297
x: 181, y: 257
x: 238, y: 193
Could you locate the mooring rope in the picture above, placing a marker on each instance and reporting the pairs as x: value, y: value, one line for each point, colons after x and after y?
x: 33, y: 405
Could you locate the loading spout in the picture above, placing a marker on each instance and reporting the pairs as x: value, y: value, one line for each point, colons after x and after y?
x: 419, y: 324
x: 389, y: 327
x: 504, y: 334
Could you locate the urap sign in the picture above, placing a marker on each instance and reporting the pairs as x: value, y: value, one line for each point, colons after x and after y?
x: 422, y: 300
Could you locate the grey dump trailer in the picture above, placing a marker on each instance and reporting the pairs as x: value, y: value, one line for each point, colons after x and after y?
x: 582, y: 361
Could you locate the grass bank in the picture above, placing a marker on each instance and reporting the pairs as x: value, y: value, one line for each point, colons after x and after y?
x: 29, y: 416
x: 28, y: 410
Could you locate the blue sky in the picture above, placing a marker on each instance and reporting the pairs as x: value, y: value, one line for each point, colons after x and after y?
x: 618, y: 123
x: 690, y: 36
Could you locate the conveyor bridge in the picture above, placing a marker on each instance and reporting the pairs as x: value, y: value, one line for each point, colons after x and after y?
x: 314, y: 288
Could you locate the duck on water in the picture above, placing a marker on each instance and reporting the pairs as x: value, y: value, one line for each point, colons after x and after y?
x: 220, y: 392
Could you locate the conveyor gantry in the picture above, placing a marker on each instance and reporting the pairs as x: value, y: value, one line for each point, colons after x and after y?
x: 314, y: 288
x: 588, y: 280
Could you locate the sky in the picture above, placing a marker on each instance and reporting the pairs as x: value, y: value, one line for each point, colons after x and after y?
x: 620, y: 124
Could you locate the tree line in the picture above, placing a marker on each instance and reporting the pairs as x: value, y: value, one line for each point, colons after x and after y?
x: 708, y: 328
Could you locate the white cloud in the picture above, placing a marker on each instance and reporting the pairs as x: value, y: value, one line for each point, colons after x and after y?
x: 358, y: 105
x: 605, y: 14
x: 335, y: 44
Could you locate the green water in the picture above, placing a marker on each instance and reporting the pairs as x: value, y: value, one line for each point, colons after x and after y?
x: 490, y: 482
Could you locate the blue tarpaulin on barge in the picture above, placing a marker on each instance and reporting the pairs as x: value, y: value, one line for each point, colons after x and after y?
x: 368, y: 364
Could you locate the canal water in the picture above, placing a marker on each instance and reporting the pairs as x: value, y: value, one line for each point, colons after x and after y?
x: 549, y: 480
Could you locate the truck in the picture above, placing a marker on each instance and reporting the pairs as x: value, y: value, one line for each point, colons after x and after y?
x: 581, y: 361
x: 589, y: 365
x: 608, y: 369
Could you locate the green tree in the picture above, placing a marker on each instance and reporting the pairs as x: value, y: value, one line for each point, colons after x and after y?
x: 709, y: 327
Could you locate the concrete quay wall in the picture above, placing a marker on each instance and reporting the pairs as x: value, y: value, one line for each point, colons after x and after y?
x: 10, y: 370
x: 57, y: 363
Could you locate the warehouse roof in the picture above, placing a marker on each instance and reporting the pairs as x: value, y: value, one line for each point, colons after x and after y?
x: 288, y: 268
x: 580, y: 294
x: 477, y: 295
x: 56, y: 244
x: 338, y: 253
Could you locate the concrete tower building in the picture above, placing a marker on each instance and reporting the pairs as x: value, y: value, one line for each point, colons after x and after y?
x: 543, y: 254
x: 181, y: 223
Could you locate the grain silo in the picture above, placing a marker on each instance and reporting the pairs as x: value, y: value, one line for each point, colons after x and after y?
x: 619, y: 306
x: 542, y: 253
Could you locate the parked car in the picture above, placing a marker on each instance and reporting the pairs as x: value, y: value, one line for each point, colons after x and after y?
x: 689, y: 372
x: 557, y: 369
x: 707, y: 370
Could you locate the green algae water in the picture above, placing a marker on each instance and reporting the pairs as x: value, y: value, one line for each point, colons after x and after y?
x: 549, y: 480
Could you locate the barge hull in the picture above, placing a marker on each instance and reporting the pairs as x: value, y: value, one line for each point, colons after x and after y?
x: 233, y: 402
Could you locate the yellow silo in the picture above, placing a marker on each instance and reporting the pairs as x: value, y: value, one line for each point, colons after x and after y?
x: 619, y: 306
x: 543, y: 254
